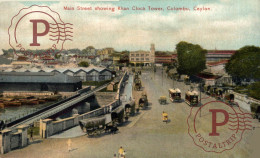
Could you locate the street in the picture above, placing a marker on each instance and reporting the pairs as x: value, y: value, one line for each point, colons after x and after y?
x: 145, y: 135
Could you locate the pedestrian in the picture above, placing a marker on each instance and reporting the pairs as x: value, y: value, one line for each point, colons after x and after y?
x: 120, y: 152
x: 165, y: 117
x: 31, y: 134
x: 69, y: 144
x: 110, y: 108
x: 114, y: 156
x: 130, y: 98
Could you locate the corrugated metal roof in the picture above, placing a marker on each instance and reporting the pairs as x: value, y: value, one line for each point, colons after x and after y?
x: 36, y: 77
x: 61, y: 70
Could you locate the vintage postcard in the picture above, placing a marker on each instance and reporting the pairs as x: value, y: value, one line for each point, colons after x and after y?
x: 129, y: 79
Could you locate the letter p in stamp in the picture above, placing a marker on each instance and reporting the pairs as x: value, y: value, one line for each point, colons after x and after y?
x: 38, y: 28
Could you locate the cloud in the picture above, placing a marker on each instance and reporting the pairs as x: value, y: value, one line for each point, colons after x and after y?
x: 228, y: 25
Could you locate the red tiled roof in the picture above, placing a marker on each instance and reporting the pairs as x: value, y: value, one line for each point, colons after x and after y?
x: 22, y: 58
x: 91, y: 57
x: 221, y: 51
x: 217, y: 63
x: 47, y: 58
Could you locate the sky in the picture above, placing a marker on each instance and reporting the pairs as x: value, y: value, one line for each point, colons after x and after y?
x: 229, y: 25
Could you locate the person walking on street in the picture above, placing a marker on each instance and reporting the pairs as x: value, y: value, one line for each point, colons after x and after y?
x: 69, y: 143
x: 120, y: 152
x: 114, y: 156
x: 165, y: 117
x: 31, y: 134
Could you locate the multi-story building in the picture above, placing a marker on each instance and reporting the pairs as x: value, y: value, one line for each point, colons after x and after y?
x: 165, y: 58
x: 145, y: 57
x: 218, y: 55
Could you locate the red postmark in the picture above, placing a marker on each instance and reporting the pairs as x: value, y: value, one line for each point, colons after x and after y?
x: 217, y: 126
x: 38, y: 28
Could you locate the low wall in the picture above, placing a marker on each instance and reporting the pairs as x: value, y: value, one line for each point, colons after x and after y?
x: 244, y: 101
x: 48, y: 127
x: 10, y: 141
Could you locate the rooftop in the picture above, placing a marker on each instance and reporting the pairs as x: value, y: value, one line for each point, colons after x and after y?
x: 217, y: 63
x: 36, y: 77
x: 221, y: 51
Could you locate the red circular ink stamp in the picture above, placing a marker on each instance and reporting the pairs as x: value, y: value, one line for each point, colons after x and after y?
x: 38, y: 31
x: 217, y: 126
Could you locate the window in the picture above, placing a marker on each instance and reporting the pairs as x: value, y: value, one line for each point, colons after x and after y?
x: 132, y: 59
x: 147, y: 59
x: 142, y: 55
x: 89, y: 78
x: 142, y: 59
x: 101, y: 77
x: 137, y: 55
x: 132, y: 55
x: 137, y: 59
x: 147, y: 55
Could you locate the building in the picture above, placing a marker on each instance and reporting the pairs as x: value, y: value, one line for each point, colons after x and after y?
x: 218, y: 55
x: 217, y: 67
x: 84, y: 74
x: 38, y: 81
x: 104, y: 53
x: 165, y: 58
x: 18, y: 64
x: 215, y: 74
x: 145, y: 57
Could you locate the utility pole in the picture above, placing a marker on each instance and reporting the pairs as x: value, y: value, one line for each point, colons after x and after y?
x: 200, y: 99
x: 162, y: 76
x: 154, y: 72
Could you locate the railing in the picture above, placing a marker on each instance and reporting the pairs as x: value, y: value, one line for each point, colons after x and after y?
x: 23, y: 117
x: 64, y: 124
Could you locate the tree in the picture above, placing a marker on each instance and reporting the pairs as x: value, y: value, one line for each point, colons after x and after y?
x: 191, y: 58
x: 57, y: 56
x: 83, y: 64
x: 244, y: 64
x: 254, y: 90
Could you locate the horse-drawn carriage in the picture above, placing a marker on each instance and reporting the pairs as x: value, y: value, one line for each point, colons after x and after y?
x: 163, y: 100
x: 172, y: 73
x: 191, y: 98
x: 117, y: 115
x: 129, y: 109
x: 133, y: 70
x: 137, y: 85
x: 94, y: 125
x: 187, y: 80
x: 255, y: 110
x: 175, y: 95
x: 104, y: 123
x: 143, y: 101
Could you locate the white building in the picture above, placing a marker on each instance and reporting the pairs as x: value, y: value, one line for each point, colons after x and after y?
x: 146, y: 57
